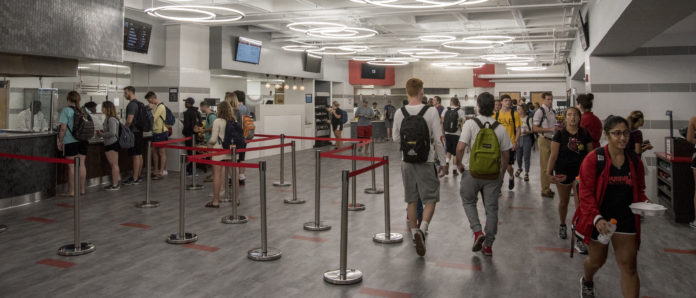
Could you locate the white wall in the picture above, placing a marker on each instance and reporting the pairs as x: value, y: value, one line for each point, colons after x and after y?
x: 218, y: 86
x: 433, y: 77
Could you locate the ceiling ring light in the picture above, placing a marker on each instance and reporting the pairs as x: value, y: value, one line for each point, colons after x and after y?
x: 459, y: 65
x: 336, y: 51
x: 314, y: 56
x: 437, y: 38
x: 364, y: 58
x: 387, y: 63
x: 407, y: 59
x: 299, y: 48
x: 472, y: 2
x: 333, y: 33
x: 526, y: 68
x: 488, y: 39
x: 456, y: 45
x: 310, y: 25
x: 495, y: 56
x: 517, y: 59
x: 438, y: 55
x: 156, y: 12
x: 208, y: 15
x: 414, y: 51
x: 517, y: 63
x: 424, y: 3
x: 357, y: 48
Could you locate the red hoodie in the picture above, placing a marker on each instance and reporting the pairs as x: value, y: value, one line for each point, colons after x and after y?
x: 592, y: 189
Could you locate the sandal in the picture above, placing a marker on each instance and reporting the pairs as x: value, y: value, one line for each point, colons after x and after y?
x: 518, y: 172
x: 211, y: 205
x: 156, y: 177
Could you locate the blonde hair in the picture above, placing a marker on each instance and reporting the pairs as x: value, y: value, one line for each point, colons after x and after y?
x: 335, y: 103
x: 231, y: 98
x: 224, y: 111
x: 74, y: 98
x: 633, y: 119
x: 109, y: 110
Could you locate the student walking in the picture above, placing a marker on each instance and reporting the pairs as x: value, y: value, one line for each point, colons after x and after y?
x: 509, y: 119
x: 452, y: 120
x: 414, y: 127
x: 545, y: 125
x: 589, y: 121
x: 611, y: 178
x: 483, y: 169
x: 568, y: 148
x: 70, y: 145
x: 636, y: 142
x: 159, y: 133
x: 525, y: 143
x: 137, y: 123
x: 111, y: 145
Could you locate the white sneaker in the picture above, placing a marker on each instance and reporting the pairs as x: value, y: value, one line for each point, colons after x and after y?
x: 693, y: 224
x: 242, y: 177
x: 165, y: 173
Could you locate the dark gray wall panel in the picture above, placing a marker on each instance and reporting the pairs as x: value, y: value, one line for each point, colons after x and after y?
x: 90, y: 29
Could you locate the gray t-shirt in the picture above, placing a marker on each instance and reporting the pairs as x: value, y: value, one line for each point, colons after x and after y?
x: 365, y: 115
x: 132, y: 109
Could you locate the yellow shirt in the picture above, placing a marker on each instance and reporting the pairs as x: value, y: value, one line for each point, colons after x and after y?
x: 159, y: 114
x: 505, y: 120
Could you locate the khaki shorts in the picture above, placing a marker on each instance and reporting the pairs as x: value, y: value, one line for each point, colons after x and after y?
x: 420, y: 179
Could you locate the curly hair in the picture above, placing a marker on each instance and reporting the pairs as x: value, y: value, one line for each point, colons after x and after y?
x: 224, y: 111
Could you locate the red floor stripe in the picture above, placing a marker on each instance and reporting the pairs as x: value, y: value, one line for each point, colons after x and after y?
x: 66, y: 205
x: 681, y: 251
x: 459, y: 266
x: 136, y: 225
x: 383, y: 293
x: 40, y: 219
x: 202, y: 247
x: 56, y: 263
x: 554, y: 249
x: 313, y: 239
x: 523, y: 208
x: 251, y: 217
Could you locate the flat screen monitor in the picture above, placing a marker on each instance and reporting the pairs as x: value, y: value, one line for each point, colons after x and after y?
x: 312, y: 62
x: 136, y: 36
x: 372, y: 71
x: 248, y: 50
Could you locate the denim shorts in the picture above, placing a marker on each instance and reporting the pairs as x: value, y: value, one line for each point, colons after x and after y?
x: 159, y: 137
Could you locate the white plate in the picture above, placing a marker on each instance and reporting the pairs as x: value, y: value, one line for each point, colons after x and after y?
x: 647, y: 209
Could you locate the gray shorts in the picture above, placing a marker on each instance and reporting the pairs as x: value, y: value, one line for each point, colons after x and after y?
x: 388, y: 123
x: 420, y: 179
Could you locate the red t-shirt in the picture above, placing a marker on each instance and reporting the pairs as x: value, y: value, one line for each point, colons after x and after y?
x: 593, y: 125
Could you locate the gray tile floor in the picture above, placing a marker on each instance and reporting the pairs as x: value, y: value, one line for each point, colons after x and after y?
x: 136, y: 262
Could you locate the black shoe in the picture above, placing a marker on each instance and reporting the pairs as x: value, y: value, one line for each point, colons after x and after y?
x: 420, y: 242
x: 138, y: 181
x: 580, y: 247
x: 563, y: 232
x: 128, y: 181
x: 586, y: 288
x: 511, y: 184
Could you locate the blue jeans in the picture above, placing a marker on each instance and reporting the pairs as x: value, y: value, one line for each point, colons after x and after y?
x: 524, y: 151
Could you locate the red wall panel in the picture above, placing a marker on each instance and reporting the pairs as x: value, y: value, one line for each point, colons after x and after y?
x: 355, y: 70
x: 485, y: 69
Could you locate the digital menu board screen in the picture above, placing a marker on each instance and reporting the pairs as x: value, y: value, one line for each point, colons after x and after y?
x: 136, y: 36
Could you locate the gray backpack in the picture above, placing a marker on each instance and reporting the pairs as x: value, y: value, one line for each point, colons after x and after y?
x: 126, y: 139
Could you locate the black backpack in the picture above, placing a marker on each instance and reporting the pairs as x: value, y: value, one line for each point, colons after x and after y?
x: 533, y: 134
x: 143, y: 118
x: 83, y: 126
x: 234, y: 134
x: 451, y: 121
x: 415, y: 137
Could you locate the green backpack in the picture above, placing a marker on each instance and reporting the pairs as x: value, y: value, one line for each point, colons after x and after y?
x: 485, y: 153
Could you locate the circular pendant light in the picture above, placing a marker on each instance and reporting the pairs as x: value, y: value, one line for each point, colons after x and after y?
x: 300, y: 48
x: 345, y: 33
x: 437, y: 55
x: 436, y: 38
x: 517, y: 63
x: 457, y: 44
x: 459, y: 65
x: 364, y: 58
x: 414, y: 4
x: 206, y: 10
x: 488, y: 39
x: 387, y: 63
x: 414, y: 51
x: 407, y: 59
x: 332, y: 51
x: 493, y: 57
x: 357, y: 48
x: 306, y: 26
x: 526, y: 68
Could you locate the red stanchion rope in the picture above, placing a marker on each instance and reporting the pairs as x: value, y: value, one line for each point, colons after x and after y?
x: 199, y: 149
x: 326, y: 139
x: 38, y: 158
x: 262, y: 139
x: 263, y: 148
x: 224, y: 163
x: 211, y: 154
x: 350, y: 157
x: 365, y: 169
x: 170, y: 141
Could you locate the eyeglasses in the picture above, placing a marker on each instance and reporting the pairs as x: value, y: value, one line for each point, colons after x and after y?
x: 619, y: 133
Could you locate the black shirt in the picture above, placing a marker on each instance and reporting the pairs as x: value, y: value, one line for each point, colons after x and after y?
x: 618, y: 196
x: 335, y: 121
x: 573, y: 150
x: 191, y: 118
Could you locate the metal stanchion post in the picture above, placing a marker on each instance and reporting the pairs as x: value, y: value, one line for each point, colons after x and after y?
x: 264, y: 253
x: 344, y: 276
x: 282, y: 164
x: 387, y: 237
x: 317, y: 225
x: 373, y: 190
x: 231, y: 195
x: 182, y: 237
x: 78, y: 247
x: 294, y: 178
x: 148, y: 182
x: 355, y: 206
x: 194, y: 171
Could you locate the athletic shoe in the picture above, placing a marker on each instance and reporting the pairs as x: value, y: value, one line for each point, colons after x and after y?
x: 478, y: 241
x: 693, y: 224
x: 511, y: 184
x: 165, y: 173
x: 420, y: 242
x: 526, y: 177
x: 455, y: 173
x: 563, y: 232
x: 580, y: 247
x: 137, y: 181
x: 113, y: 187
x: 128, y: 181
x: 487, y: 250
x: 586, y: 288
x: 519, y: 171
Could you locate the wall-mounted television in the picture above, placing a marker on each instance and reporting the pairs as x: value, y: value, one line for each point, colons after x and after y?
x: 136, y: 36
x: 247, y: 50
x: 583, y: 33
x: 311, y: 62
x: 372, y: 71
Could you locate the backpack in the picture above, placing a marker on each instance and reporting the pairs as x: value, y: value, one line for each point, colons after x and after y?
x: 83, y: 126
x: 533, y: 134
x: 234, y: 135
x: 415, y: 137
x: 451, y: 121
x: 485, y: 153
x: 514, y: 124
x: 248, y: 127
x: 143, y: 118
x: 126, y: 139
x: 344, y: 116
x: 602, y: 161
x: 169, y: 121
x: 389, y: 112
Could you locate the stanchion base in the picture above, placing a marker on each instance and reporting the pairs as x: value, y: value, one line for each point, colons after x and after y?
x: 393, y: 238
x: 146, y: 204
x: 240, y: 219
x: 188, y: 238
x: 295, y: 201
x: 357, y: 207
x: 353, y: 276
x: 194, y: 187
x: 3, y: 228
x: 312, y: 226
x: 271, y: 254
x: 283, y: 184
x: 374, y: 191
x: 70, y: 249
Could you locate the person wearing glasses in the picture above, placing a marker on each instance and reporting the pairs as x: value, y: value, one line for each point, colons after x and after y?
x: 611, y: 178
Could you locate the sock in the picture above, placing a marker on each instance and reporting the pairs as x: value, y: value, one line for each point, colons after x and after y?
x: 447, y: 160
x: 413, y: 233
x: 424, y: 226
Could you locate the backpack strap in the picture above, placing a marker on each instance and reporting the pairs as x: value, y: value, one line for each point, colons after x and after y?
x: 514, y: 124
x: 478, y: 122
x: 405, y: 112
x: 423, y: 110
x: 497, y: 113
x: 601, y: 161
x: 494, y: 125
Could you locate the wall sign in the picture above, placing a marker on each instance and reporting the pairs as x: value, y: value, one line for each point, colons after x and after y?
x: 173, y: 94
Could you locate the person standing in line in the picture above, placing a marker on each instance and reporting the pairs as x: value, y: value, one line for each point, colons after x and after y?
x: 160, y: 133
x: 191, y: 118
x: 336, y: 122
x: 224, y: 114
x: 512, y: 123
x: 207, y: 128
x: 525, y: 143
x: 437, y: 103
x: 636, y: 142
x: 376, y: 111
x: 568, y: 148
x: 452, y: 125
x: 243, y: 111
x: 233, y: 100
x: 70, y: 146
x: 132, y: 109
x: 23, y: 121
x: 111, y: 146
x: 606, y: 195
x: 545, y: 125
x: 364, y: 129
x: 389, y: 111
x: 691, y: 137
x: 489, y: 187
x: 589, y: 121
x: 414, y: 127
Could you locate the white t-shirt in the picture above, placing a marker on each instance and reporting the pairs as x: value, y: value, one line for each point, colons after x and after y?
x: 433, y: 120
x: 470, y: 130
x: 23, y: 121
x: 462, y: 118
